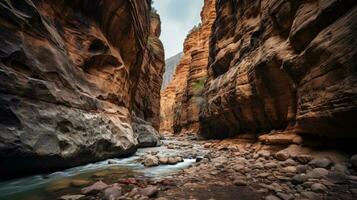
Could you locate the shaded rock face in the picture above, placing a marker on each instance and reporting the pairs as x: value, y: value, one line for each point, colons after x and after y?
x: 281, y: 64
x: 147, y: 91
x: 182, y: 99
x: 71, y: 73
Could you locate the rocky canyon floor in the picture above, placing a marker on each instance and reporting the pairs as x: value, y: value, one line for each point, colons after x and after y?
x: 186, y: 168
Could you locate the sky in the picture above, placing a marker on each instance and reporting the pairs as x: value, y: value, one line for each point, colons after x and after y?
x: 177, y: 19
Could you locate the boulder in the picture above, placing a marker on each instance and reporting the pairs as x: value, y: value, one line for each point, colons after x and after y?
x: 95, y: 188
x: 150, y: 161
x: 113, y: 192
x: 321, y: 163
x: 150, y: 191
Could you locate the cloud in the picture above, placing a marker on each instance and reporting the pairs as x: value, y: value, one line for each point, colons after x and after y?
x: 177, y: 17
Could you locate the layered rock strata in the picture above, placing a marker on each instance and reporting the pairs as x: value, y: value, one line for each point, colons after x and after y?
x: 71, y: 74
x: 281, y: 64
x: 182, y: 99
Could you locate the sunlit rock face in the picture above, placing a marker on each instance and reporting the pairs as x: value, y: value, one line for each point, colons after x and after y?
x: 71, y: 73
x: 182, y: 99
x: 282, y: 64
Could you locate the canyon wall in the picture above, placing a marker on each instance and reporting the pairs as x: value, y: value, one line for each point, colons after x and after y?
x: 170, y: 68
x: 282, y: 65
x: 73, y: 77
x: 182, y: 99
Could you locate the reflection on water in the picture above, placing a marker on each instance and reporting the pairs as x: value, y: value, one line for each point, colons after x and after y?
x: 70, y: 181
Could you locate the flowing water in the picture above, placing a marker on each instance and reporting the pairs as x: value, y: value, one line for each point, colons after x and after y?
x: 70, y: 181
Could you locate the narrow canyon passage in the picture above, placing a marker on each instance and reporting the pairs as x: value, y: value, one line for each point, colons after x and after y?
x: 178, y: 99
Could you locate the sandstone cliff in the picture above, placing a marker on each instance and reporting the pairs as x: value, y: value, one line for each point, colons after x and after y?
x: 282, y: 64
x: 71, y: 73
x: 170, y: 68
x: 182, y: 99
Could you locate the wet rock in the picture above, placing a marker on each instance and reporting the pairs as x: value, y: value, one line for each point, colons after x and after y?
x: 199, y: 158
x: 270, y: 165
x: 146, y: 134
x: 303, y: 158
x: 317, y: 173
x: 282, y: 155
x: 321, y: 163
x: 150, y: 191
x: 302, y: 169
x: 95, y: 188
x: 174, y: 160
x: 150, y: 161
x: 318, y: 187
x: 163, y: 160
x: 289, y: 169
x: 288, y: 162
x: 110, y: 162
x: 354, y: 161
x: 71, y: 197
x: 113, y: 192
x: 299, y: 179
x: 264, y: 153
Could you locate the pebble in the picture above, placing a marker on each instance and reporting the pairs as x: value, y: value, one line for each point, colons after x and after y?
x: 95, y: 188
x: 150, y: 161
x: 317, y: 173
x: 318, y: 187
x: 321, y: 163
x: 150, y: 191
x: 282, y: 155
x: 113, y: 192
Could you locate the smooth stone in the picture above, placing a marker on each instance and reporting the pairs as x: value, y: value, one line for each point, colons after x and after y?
x: 317, y: 173
x: 149, y: 191
x: 113, y: 192
x: 289, y: 169
x: 289, y: 162
x: 150, y: 161
x: 301, y: 169
x: 282, y: 155
x: 303, y: 158
x: 240, y: 182
x: 285, y: 196
x: 270, y: 165
x: 199, y: 158
x: 163, y: 160
x: 321, y: 163
x: 318, y: 187
x: 264, y: 153
x: 299, y: 179
x: 95, y: 188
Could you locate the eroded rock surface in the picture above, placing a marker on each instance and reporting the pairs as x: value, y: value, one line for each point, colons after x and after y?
x: 71, y: 72
x: 282, y: 65
x: 182, y: 99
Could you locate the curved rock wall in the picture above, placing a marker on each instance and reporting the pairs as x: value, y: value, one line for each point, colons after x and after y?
x: 71, y: 72
x: 282, y: 64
